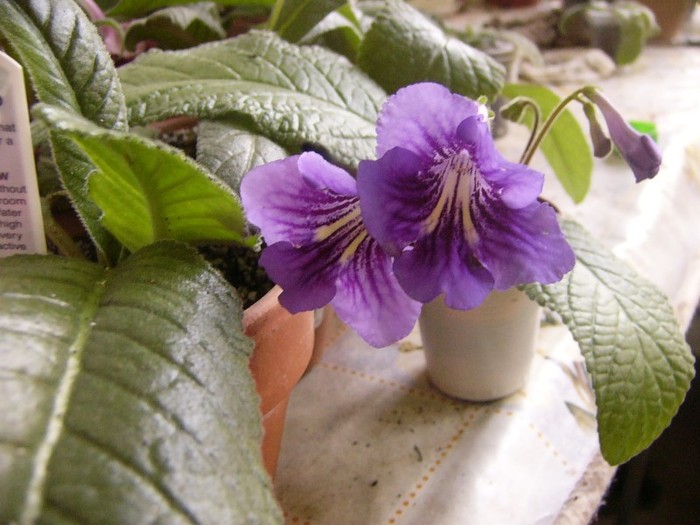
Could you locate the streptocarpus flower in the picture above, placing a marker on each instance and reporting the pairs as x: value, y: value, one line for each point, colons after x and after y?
x: 319, y: 250
x: 639, y: 150
x: 458, y: 218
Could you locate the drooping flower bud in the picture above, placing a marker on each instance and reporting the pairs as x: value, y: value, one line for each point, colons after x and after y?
x: 602, y: 145
x: 639, y: 150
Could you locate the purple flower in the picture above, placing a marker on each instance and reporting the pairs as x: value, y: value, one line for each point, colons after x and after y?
x: 458, y: 218
x: 319, y: 251
x: 639, y: 150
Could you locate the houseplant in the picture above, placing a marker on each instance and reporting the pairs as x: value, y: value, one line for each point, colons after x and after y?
x: 188, y: 433
x: 620, y: 28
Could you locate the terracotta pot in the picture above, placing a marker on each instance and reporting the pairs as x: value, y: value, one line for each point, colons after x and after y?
x: 484, y: 353
x: 283, y: 347
x: 671, y: 15
x: 327, y: 328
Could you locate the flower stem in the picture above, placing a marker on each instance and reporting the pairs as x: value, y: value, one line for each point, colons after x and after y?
x: 536, y: 118
x: 538, y: 135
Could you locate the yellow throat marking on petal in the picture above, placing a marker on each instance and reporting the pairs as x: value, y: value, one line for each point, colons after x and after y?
x: 327, y: 230
x: 456, y: 192
x: 352, y: 247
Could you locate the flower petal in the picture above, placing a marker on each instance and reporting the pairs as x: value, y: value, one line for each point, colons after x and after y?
x: 319, y: 173
x: 521, y: 246
x: 392, y: 197
x: 370, y: 300
x: 516, y: 184
x: 422, y: 118
x: 639, y: 150
x: 289, y: 199
x: 443, y: 263
x: 307, y: 280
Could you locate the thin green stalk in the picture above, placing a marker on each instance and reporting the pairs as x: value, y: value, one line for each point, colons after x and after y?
x: 536, y: 140
x: 536, y: 118
x: 275, y: 14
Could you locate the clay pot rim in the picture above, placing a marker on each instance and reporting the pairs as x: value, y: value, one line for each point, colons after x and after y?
x: 260, y: 311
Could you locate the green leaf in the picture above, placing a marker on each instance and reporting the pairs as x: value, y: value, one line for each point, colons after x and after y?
x: 403, y: 47
x: 126, y: 395
x: 177, y: 27
x: 134, y: 8
x: 229, y: 150
x: 295, y: 95
x: 69, y: 67
x: 565, y: 147
x: 340, y: 31
x: 148, y: 191
x: 635, y: 352
x: 292, y: 19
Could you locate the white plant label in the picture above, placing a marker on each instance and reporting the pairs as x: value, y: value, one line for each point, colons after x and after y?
x: 21, y: 225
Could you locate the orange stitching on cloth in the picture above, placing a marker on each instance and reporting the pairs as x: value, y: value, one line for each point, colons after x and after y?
x: 443, y: 453
x: 548, y: 444
x: 391, y: 383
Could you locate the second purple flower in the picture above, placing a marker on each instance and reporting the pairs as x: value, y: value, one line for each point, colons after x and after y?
x: 459, y: 219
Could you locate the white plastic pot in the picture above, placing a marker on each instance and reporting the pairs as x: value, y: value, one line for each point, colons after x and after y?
x: 484, y: 353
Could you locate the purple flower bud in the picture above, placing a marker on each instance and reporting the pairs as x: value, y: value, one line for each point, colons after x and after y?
x: 639, y: 151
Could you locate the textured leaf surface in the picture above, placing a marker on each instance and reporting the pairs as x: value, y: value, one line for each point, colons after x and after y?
x: 177, y: 27
x: 294, y: 94
x: 229, y: 150
x: 148, y: 191
x: 126, y: 396
x: 69, y: 67
x: 565, y: 146
x: 133, y: 8
x: 635, y: 352
x: 403, y: 47
x: 292, y: 19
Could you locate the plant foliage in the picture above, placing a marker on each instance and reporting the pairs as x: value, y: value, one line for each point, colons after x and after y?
x: 125, y: 390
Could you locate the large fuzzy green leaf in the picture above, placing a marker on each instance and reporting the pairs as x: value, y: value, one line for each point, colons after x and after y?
x: 69, y: 67
x: 229, y: 150
x: 292, y: 19
x: 565, y: 146
x: 295, y: 95
x: 403, y: 46
x: 125, y: 395
x: 635, y: 352
x: 148, y: 191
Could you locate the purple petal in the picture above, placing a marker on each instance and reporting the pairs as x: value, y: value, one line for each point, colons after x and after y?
x: 391, y: 191
x: 422, y: 118
x: 307, y: 280
x: 319, y: 173
x: 370, y: 300
x: 290, y: 199
x: 639, y: 151
x: 516, y: 184
x: 521, y: 246
x: 443, y: 263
